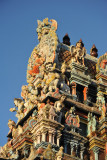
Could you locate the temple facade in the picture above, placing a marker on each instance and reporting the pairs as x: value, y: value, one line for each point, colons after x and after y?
x: 63, y: 111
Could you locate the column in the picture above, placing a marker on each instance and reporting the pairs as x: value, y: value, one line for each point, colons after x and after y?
x: 53, y: 138
x: 106, y: 151
x: 76, y: 149
x: 82, y: 148
x: 65, y: 146
x: 73, y: 84
x: 50, y: 136
x: 85, y: 94
x: 58, y: 140
x: 58, y: 137
x: 96, y: 151
x: 43, y: 136
x: 72, y: 147
x: 38, y: 138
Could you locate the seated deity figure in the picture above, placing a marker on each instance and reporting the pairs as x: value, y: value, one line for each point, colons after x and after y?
x: 78, y: 52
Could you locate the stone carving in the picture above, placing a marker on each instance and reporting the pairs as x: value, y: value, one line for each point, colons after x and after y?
x: 32, y: 153
x: 103, y: 112
x: 72, y: 119
x: 78, y: 52
x: 59, y: 104
x: 24, y: 92
x: 64, y: 86
x: 50, y: 82
x: 52, y: 113
x: 48, y: 153
x: 102, y: 64
x: 44, y: 53
x: 20, y: 111
x: 12, y: 127
x: 100, y: 100
x: 91, y: 123
x: 60, y: 154
x: 93, y: 51
x: 14, y: 155
x: 44, y: 76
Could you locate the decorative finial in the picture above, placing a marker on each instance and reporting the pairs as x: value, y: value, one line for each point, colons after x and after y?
x: 80, y: 44
x: 93, y: 51
x: 66, y: 40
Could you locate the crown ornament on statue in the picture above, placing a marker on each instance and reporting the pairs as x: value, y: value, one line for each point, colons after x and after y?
x: 45, y: 26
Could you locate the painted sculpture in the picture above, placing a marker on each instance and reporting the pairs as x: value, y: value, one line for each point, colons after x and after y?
x: 62, y: 113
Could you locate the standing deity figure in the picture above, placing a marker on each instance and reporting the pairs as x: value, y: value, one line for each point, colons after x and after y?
x: 64, y: 86
x: 71, y: 119
x: 103, y: 112
x: 24, y: 93
x: 100, y: 100
x: 58, y: 107
x: 91, y: 123
x: 12, y: 127
x: 60, y: 154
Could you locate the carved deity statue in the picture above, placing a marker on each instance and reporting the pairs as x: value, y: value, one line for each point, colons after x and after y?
x: 20, y: 108
x: 91, y: 123
x: 60, y: 154
x: 11, y: 124
x: 72, y: 120
x: 64, y: 83
x: 12, y: 127
x: 24, y: 93
x: 100, y: 100
x: 78, y: 52
x: 59, y: 104
x: 58, y: 107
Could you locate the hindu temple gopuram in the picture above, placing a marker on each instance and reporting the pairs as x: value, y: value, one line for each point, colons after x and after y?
x: 63, y: 111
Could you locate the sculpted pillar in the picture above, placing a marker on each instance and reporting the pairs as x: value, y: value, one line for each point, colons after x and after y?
x: 85, y: 94
x: 82, y: 148
x: 65, y: 146
x: 38, y: 138
x: 96, y: 151
x: 72, y: 147
x: 43, y: 136
x: 73, y: 84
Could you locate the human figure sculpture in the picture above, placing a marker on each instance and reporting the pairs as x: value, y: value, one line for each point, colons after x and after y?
x: 60, y: 154
x: 78, y: 52
x: 91, y: 123
x: 24, y: 93
x: 20, y: 108
x: 100, y: 100
x: 64, y: 83
x: 58, y: 107
x: 50, y: 82
x: 12, y: 127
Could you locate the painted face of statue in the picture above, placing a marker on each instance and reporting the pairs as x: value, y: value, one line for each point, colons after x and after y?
x: 78, y: 45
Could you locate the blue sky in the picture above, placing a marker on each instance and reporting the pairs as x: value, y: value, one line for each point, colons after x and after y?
x: 86, y: 19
